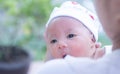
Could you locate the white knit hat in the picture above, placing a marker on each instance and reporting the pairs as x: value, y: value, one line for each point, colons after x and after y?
x: 75, y: 10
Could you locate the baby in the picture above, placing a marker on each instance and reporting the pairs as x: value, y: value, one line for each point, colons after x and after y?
x: 71, y: 30
x: 109, y: 14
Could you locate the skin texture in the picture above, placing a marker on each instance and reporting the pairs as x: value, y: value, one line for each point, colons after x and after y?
x: 109, y: 15
x: 65, y: 35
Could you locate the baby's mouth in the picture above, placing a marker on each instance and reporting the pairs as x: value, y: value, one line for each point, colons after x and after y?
x: 64, y: 55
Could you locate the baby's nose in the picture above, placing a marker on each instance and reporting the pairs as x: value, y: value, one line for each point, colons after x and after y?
x: 62, y: 45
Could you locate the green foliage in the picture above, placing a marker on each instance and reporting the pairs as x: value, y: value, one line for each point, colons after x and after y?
x: 37, y: 10
x: 104, y: 39
x: 22, y: 23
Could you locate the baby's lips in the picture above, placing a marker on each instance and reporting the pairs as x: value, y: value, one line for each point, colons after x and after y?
x: 64, y: 55
x: 63, y: 52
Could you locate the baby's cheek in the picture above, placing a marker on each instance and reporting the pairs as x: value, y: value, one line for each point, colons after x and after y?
x: 55, y: 53
x: 78, y: 52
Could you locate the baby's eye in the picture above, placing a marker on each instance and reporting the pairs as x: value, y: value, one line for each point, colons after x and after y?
x: 71, y: 35
x: 53, y: 41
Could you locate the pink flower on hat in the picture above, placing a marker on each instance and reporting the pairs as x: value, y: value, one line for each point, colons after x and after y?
x: 74, y: 3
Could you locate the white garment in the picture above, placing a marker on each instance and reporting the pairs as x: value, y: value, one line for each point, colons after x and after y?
x: 108, y: 49
x: 109, y: 64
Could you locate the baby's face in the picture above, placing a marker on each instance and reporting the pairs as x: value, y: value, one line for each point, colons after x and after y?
x: 67, y: 36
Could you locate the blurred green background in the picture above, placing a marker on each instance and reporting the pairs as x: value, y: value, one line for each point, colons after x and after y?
x: 22, y: 22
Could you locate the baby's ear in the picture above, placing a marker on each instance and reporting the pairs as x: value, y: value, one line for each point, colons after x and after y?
x: 92, y: 38
x: 97, y: 50
x: 94, y: 44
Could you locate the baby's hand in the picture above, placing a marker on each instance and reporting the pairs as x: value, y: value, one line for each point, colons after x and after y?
x: 100, y: 52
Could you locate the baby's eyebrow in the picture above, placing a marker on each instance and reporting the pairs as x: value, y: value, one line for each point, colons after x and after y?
x: 70, y: 30
x: 50, y: 36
